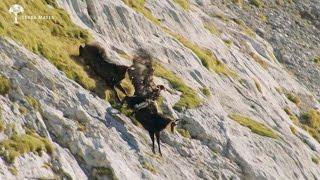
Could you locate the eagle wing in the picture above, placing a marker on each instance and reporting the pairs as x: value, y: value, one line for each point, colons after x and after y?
x: 141, y: 74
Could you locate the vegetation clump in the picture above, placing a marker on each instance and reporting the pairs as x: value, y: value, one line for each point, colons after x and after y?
x: 138, y: 5
x: 309, y: 121
x: 206, y: 91
x: 2, y: 125
x: 257, y: 3
x: 183, y: 3
x: 317, y: 60
x: 183, y: 132
x: 13, y: 171
x: 212, y: 28
x: 293, y: 98
x: 4, y: 85
x: 149, y: 167
x: 189, y: 97
x: 293, y: 130
x: 56, y: 39
x: 20, y: 144
x: 207, y: 58
x: 315, y: 159
x: 228, y: 42
x: 255, y: 126
x: 33, y: 102
x: 104, y: 171
x: 312, y: 119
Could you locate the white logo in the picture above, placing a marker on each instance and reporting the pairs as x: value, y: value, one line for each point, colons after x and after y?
x: 16, y: 9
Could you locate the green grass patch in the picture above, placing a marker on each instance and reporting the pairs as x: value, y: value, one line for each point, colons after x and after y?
x: 309, y: 121
x: 2, y: 125
x: 227, y: 42
x: 13, y: 171
x: 312, y: 119
x: 211, y: 27
x: 149, y: 167
x: 20, y: 144
x: 288, y: 111
x: 208, y: 59
x: 183, y: 3
x: 315, y: 159
x: 183, y: 132
x: 206, y: 91
x: 4, y: 85
x: 293, y: 98
x: 138, y: 5
x: 57, y: 39
x: 257, y: 3
x: 189, y: 97
x: 104, y: 171
x: 293, y: 130
x: 317, y: 60
x: 255, y: 126
x: 23, y: 110
x: 33, y: 102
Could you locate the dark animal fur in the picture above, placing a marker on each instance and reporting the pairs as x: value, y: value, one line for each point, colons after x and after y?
x: 141, y: 74
x: 95, y: 56
x: 154, y: 123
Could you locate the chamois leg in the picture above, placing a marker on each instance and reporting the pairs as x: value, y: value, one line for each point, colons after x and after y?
x: 152, y: 139
x: 158, y: 140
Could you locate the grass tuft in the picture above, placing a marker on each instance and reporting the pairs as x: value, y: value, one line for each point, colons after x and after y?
x: 20, y: 144
x: 211, y: 27
x: 293, y: 130
x: 315, y: 159
x: 183, y: 3
x: 33, y: 102
x: 189, y: 97
x: 138, y: 5
x: 255, y: 126
x: 293, y: 98
x: 13, y: 171
x: 183, y: 132
x: 2, y: 125
x: 206, y: 91
x: 208, y: 59
x: 312, y: 119
x: 104, y: 171
x: 56, y: 39
x: 149, y: 167
x: 257, y: 3
x: 4, y: 85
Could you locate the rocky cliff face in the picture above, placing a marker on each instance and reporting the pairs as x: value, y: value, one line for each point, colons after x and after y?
x: 256, y: 120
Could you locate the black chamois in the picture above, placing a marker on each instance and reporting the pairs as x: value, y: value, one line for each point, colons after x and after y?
x: 95, y: 57
x: 154, y: 122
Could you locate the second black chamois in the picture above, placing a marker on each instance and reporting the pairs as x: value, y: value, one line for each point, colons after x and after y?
x: 154, y: 123
x: 94, y: 55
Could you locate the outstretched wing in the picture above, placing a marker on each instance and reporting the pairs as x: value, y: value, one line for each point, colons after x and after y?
x: 141, y: 74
